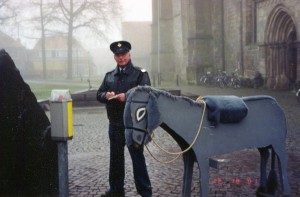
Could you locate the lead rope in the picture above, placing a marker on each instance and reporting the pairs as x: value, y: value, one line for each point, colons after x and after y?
x: 199, y: 100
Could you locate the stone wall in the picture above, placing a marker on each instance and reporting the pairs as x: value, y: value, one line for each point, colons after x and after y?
x: 209, y: 35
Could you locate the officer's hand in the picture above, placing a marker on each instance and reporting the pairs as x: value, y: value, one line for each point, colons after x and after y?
x: 109, y: 95
x: 121, y: 97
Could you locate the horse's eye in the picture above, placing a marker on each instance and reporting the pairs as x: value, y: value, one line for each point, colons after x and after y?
x: 140, y: 114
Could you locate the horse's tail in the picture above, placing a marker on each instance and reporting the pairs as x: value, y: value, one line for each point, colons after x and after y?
x: 272, y: 178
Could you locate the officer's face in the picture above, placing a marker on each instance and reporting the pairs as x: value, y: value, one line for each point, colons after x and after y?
x: 122, y: 59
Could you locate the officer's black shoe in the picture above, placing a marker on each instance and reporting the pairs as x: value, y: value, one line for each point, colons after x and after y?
x: 113, y: 194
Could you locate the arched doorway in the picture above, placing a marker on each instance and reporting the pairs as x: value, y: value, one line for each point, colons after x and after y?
x: 281, y: 49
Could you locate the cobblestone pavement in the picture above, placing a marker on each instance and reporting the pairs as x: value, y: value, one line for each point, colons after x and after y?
x: 237, y: 176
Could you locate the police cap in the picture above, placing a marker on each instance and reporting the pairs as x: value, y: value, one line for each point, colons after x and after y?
x: 120, y: 47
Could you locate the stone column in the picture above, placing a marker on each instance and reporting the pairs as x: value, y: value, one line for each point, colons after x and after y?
x: 271, y: 66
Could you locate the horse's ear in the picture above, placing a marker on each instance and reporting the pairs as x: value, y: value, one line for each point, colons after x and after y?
x: 153, y: 113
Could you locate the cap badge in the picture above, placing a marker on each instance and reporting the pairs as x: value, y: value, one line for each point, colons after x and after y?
x: 119, y: 45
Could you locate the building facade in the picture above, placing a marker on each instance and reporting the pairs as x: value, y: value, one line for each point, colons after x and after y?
x: 57, y: 58
x: 191, y: 37
x: 138, y: 33
x: 17, y: 52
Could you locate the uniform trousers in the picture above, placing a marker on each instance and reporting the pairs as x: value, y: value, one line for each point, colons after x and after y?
x: 117, y: 163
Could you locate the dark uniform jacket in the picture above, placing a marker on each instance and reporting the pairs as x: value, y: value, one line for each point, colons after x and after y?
x: 120, y: 83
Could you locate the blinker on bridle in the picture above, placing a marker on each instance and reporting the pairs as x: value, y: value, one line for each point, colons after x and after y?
x: 144, y: 131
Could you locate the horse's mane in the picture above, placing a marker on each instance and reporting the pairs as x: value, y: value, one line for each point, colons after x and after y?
x: 157, y: 92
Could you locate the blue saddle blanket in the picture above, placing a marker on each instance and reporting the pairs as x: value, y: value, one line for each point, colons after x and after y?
x: 225, y: 109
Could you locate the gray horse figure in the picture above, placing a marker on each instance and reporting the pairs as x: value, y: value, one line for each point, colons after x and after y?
x: 264, y: 127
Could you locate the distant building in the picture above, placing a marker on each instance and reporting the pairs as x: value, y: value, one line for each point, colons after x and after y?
x: 57, y: 58
x: 139, y: 35
x: 17, y: 52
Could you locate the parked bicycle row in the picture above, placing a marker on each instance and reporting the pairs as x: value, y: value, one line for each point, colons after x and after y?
x: 222, y: 79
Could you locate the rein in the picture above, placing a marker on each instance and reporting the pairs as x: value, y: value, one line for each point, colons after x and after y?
x: 199, y: 100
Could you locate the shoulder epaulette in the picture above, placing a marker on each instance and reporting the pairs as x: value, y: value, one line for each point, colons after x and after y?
x: 141, y: 69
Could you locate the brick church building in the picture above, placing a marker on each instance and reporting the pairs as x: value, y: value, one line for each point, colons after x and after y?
x: 191, y: 37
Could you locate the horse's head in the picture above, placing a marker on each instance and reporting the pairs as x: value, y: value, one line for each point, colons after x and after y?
x: 141, y: 115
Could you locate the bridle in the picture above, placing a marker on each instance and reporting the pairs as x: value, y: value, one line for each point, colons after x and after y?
x: 177, y: 154
x: 144, y: 131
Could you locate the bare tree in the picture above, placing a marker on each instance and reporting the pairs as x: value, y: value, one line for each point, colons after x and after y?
x: 33, y: 18
x: 43, y: 23
x: 94, y: 15
x: 6, y: 11
x: 43, y: 18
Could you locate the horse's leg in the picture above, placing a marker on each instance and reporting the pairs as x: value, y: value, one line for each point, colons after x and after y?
x: 204, y: 176
x: 188, y: 160
x: 282, y: 164
x: 264, y: 155
x: 272, y: 178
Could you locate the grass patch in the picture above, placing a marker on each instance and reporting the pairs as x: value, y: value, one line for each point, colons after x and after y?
x: 43, y: 91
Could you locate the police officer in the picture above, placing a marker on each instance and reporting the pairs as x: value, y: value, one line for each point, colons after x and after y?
x: 112, y: 92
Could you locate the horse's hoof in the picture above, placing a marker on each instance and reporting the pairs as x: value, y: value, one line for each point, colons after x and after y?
x: 272, y: 182
x: 263, y: 195
x: 261, y: 192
